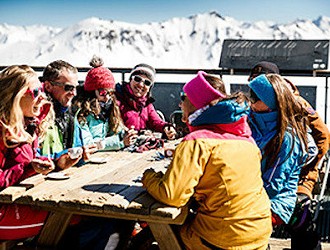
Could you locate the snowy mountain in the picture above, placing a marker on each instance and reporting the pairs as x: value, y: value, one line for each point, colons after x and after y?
x: 193, y: 42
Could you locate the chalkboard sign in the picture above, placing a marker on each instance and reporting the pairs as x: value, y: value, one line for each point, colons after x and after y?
x: 287, y: 54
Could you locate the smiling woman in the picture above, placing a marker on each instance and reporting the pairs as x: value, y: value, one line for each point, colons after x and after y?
x: 23, y: 109
x: 33, y: 99
x: 135, y: 102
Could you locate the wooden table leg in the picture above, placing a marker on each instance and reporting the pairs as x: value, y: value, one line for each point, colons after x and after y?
x: 165, y: 236
x: 54, y: 228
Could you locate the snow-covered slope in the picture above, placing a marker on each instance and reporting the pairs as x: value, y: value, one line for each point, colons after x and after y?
x: 193, y: 42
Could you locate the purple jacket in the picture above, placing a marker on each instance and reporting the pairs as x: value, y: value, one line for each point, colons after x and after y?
x: 137, y: 112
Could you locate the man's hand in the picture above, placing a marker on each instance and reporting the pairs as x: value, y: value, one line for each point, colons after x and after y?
x: 65, y: 161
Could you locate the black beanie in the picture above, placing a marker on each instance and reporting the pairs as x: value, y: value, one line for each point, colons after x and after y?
x: 264, y: 67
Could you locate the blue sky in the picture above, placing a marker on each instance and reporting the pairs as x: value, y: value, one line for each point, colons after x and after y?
x: 63, y: 13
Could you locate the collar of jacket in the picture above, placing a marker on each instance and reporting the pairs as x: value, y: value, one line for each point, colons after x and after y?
x: 263, y: 123
x: 224, y: 112
x: 59, y: 109
x: 238, y: 128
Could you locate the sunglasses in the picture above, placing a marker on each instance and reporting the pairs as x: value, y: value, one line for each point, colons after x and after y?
x: 35, y: 92
x: 67, y: 87
x: 105, y: 92
x: 253, y: 97
x: 183, y: 96
x: 139, y: 79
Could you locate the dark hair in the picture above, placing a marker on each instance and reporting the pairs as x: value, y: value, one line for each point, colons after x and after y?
x: 218, y: 84
x: 53, y: 70
x: 291, y: 114
x: 263, y: 67
x: 253, y: 98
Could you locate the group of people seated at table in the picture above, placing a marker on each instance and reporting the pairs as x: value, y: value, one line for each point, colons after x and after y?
x: 247, y: 162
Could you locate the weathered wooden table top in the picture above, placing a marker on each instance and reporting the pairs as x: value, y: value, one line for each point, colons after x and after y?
x: 111, y: 189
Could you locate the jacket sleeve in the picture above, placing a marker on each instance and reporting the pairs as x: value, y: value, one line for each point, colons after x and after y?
x: 154, y: 122
x: 87, y: 137
x: 312, y: 148
x: 77, y: 134
x: 16, y: 166
x: 177, y: 185
x: 114, y: 142
x: 321, y: 136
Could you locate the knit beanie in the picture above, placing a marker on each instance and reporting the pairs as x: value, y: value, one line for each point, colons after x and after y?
x: 264, y: 90
x: 264, y: 67
x: 200, y: 92
x: 144, y: 69
x: 99, y: 77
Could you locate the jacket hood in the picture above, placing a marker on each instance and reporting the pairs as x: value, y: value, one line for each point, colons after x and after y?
x: 224, y: 117
x: 224, y: 112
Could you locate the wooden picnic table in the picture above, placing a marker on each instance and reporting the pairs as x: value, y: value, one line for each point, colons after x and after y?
x: 112, y: 189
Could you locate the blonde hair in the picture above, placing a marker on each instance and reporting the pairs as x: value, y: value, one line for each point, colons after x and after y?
x: 14, y: 82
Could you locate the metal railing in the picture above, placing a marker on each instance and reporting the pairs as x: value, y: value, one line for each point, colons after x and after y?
x: 220, y: 71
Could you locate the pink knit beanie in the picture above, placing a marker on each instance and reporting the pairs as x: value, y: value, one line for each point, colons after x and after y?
x: 200, y: 92
x: 99, y: 77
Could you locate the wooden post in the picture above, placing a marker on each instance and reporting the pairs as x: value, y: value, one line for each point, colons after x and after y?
x: 50, y: 237
x: 165, y: 236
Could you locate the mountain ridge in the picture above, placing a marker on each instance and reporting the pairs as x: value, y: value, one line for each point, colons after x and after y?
x: 192, y: 42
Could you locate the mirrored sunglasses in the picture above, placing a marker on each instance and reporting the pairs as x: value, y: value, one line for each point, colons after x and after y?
x: 139, y: 79
x: 183, y: 96
x: 105, y: 92
x: 67, y: 87
x: 35, y: 92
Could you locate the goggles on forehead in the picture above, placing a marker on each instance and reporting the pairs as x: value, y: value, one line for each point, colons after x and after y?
x: 105, y: 92
x: 139, y: 79
x: 67, y: 87
x: 35, y: 92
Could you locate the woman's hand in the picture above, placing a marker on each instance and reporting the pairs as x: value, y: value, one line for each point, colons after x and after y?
x: 42, y: 166
x: 88, y: 150
x: 170, y: 132
x: 130, y: 137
